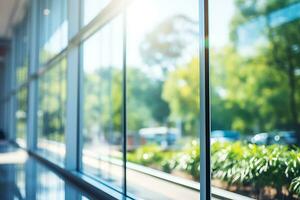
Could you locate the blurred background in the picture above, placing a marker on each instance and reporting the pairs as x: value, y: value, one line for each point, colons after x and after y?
x: 113, y: 97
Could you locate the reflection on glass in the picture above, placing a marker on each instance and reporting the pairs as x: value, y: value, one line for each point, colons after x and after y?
x: 21, y: 116
x: 162, y: 99
x: 49, y: 186
x: 101, y: 115
x: 53, y: 27
x: 91, y: 8
x: 255, y: 65
x: 21, y: 38
x: 51, y: 112
x: 31, y: 180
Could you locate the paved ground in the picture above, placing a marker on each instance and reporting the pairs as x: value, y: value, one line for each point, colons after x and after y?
x: 24, y: 178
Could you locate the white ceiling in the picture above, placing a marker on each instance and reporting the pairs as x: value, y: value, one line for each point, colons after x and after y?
x: 11, y: 12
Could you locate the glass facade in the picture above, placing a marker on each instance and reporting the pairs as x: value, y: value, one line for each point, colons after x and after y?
x: 101, y: 112
x: 91, y: 8
x: 22, y: 51
x: 51, y: 112
x: 122, y: 93
x: 21, y: 62
x: 53, y: 28
x: 21, y: 116
x: 162, y: 96
x: 255, y: 97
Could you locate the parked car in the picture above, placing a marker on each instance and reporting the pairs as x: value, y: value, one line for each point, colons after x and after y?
x: 224, y: 136
x: 163, y: 136
x: 284, y: 137
x: 279, y: 137
x: 261, y: 138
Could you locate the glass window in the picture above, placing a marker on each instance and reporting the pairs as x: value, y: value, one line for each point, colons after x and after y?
x: 101, y: 116
x: 21, y: 116
x: 53, y: 28
x: 162, y: 88
x: 52, y: 112
x: 255, y: 100
x: 22, y: 51
x: 91, y: 8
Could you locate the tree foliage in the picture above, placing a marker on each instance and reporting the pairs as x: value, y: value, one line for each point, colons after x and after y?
x: 278, y: 55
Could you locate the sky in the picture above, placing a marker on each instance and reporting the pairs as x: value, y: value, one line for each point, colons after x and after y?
x: 144, y: 16
x: 220, y: 13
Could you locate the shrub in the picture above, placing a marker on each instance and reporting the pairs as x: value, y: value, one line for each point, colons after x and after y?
x: 147, y: 155
x: 295, y: 185
x: 235, y: 163
x: 245, y: 164
x: 168, y: 165
x: 189, y: 160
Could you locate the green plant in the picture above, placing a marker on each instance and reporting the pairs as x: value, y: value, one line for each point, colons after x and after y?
x: 168, y: 165
x: 295, y: 186
x: 248, y: 164
x: 147, y: 155
x: 236, y: 163
x: 189, y: 160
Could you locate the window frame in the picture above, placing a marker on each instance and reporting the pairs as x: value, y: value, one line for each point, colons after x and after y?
x: 77, y: 34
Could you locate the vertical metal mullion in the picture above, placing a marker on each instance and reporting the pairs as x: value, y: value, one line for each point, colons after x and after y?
x: 2, y: 97
x: 12, y: 86
x: 8, y: 90
x: 80, y: 107
x: 6, y: 93
x: 71, y: 131
x: 205, y: 168
x: 32, y: 89
x: 124, y: 111
x: 72, y: 128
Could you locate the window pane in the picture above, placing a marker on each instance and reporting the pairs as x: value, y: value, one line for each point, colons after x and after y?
x: 255, y: 65
x: 163, y: 99
x: 101, y: 115
x: 21, y: 116
x: 91, y: 8
x: 21, y: 51
x: 52, y: 113
x: 53, y: 28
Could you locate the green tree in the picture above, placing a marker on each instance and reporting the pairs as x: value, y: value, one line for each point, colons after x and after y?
x: 146, y: 107
x: 103, y: 102
x: 282, y: 51
x: 181, y: 91
x: 254, y: 94
x: 167, y: 42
